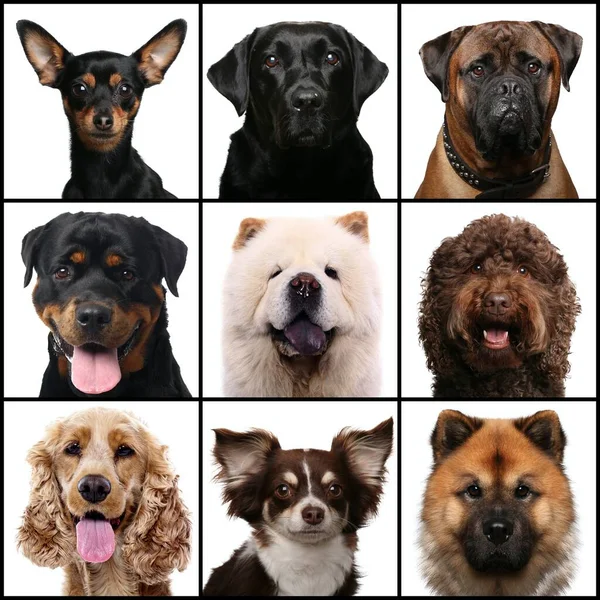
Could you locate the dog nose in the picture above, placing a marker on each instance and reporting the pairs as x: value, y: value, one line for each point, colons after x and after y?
x: 305, y: 285
x: 498, y: 530
x: 92, y: 317
x: 313, y: 515
x: 304, y: 98
x: 496, y: 303
x: 103, y: 122
x: 94, y: 488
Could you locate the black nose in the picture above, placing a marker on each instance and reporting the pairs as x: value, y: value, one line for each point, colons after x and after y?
x: 498, y: 530
x: 103, y: 122
x: 94, y: 488
x: 304, y: 98
x: 92, y: 317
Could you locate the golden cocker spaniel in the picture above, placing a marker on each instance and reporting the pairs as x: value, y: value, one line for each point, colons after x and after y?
x: 105, y: 506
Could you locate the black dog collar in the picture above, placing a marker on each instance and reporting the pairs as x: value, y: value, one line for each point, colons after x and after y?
x: 496, y: 189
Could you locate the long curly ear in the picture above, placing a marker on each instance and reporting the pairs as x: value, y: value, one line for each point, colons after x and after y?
x: 555, y: 360
x: 158, y: 540
x: 46, y: 536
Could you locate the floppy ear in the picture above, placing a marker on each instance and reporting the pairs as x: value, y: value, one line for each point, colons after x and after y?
x: 231, y: 75
x: 29, y: 249
x: 173, y: 253
x: 46, y: 536
x: 369, y: 71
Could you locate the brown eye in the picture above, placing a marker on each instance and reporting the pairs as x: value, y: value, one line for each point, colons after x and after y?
x: 61, y: 273
x: 474, y: 491
x: 332, y: 58
x: 123, y: 450
x: 79, y: 90
x: 335, y: 490
x: 127, y: 275
x: 283, y: 491
x: 478, y: 71
x: 477, y: 268
x: 73, y: 449
x: 271, y: 61
x: 125, y: 91
x: 533, y: 68
x: 522, y: 491
x: 523, y: 270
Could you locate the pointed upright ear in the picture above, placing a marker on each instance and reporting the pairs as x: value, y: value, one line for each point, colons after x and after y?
x: 231, y: 75
x: 157, y: 55
x: 45, y: 54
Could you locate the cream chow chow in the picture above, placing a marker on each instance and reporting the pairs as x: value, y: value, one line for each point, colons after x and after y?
x: 302, y: 309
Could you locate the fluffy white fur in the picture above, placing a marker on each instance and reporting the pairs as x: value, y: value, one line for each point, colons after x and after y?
x: 253, y: 301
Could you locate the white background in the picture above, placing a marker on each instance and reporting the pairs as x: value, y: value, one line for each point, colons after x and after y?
x: 36, y: 131
x: 570, y: 226
x: 308, y: 424
x: 220, y: 224
x: 374, y: 25
x: 578, y: 419
x: 574, y: 122
x: 174, y: 423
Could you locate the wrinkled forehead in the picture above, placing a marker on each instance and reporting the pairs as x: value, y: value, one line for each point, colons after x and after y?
x: 298, y: 36
x: 503, y: 42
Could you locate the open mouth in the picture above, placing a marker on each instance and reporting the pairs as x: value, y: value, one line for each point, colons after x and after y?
x: 94, y: 515
x: 496, y: 338
x: 96, y: 536
x: 94, y: 368
x: 302, y: 337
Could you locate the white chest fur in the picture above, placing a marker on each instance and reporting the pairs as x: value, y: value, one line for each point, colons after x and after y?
x: 306, y: 569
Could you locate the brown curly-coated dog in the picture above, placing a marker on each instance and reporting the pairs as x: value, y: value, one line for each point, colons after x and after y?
x: 498, y: 312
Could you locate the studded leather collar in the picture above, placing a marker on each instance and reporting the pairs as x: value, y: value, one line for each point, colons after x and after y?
x: 495, y: 189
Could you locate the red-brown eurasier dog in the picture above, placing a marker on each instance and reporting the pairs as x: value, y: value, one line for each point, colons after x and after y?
x: 105, y: 506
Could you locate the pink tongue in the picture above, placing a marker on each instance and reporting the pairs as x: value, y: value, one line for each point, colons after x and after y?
x: 496, y: 335
x: 306, y: 337
x: 95, y: 540
x: 95, y: 371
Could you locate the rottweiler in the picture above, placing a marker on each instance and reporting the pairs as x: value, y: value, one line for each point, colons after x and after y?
x: 99, y: 291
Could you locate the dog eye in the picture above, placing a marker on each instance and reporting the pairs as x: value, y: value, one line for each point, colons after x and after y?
x: 275, y: 274
x: 62, y: 273
x: 335, y: 490
x: 522, y: 270
x: 474, y: 491
x: 477, y: 268
x: 79, y: 90
x: 533, y: 68
x: 125, y: 91
x: 73, y: 449
x: 478, y: 71
x: 124, y: 450
x: 332, y: 58
x: 522, y: 491
x: 283, y: 491
x: 127, y: 275
x: 271, y: 61
x: 331, y: 273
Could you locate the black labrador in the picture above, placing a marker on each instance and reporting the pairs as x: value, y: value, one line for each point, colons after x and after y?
x: 302, y: 86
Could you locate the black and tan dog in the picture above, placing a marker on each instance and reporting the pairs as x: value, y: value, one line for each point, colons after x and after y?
x: 101, y: 95
x: 500, y: 82
x: 99, y: 291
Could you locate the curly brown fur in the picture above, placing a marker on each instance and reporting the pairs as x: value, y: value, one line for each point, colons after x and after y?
x: 153, y: 537
x: 497, y: 313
